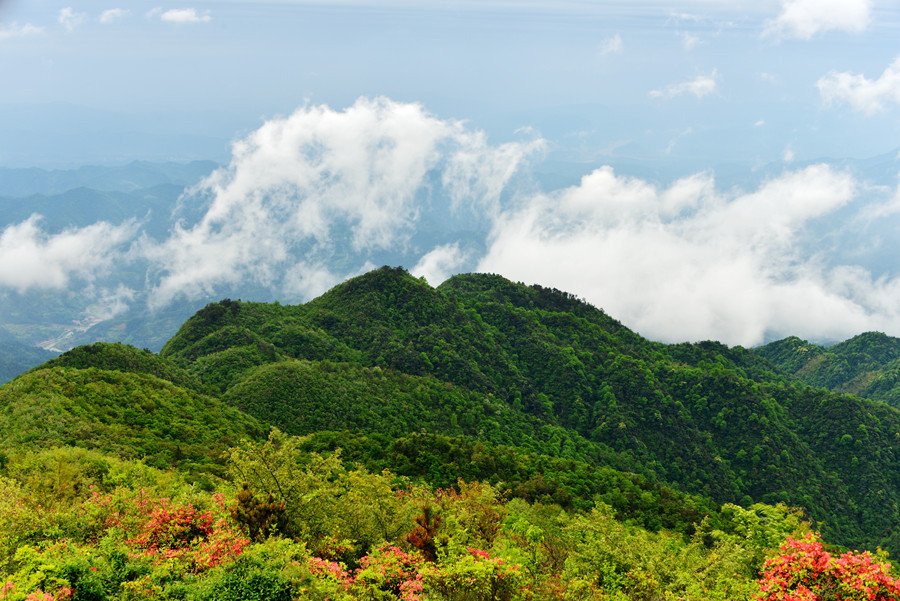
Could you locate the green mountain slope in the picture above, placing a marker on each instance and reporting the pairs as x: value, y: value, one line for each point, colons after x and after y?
x: 538, y: 395
x: 303, y: 397
x: 116, y: 356
x: 866, y: 365
x: 128, y: 414
x: 709, y: 420
x: 442, y: 460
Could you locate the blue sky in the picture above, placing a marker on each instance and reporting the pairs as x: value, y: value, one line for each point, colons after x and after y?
x: 699, y: 169
x: 697, y: 81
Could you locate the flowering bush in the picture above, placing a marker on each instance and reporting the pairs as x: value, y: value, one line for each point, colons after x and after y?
x: 38, y: 579
x: 183, y: 532
x: 122, y: 509
x: 805, y: 571
x: 388, y: 572
x: 473, y: 576
x: 332, y: 571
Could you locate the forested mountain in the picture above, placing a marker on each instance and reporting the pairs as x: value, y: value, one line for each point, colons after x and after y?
x: 129, y: 415
x: 504, y: 362
x: 540, y: 396
x: 867, y: 365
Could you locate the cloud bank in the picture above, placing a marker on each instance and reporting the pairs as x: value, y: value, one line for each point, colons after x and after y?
x: 689, y: 262
x: 321, y: 184
x: 310, y: 199
x: 33, y: 259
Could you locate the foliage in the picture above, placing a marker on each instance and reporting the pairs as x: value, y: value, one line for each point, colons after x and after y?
x: 866, y: 365
x: 140, y: 533
x: 132, y: 415
x: 441, y: 461
x: 805, y: 571
x: 116, y: 356
x: 472, y: 574
x: 183, y: 532
x: 525, y: 388
x: 259, y: 518
x: 485, y: 360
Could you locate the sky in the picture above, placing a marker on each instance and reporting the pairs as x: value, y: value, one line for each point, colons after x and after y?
x: 699, y: 169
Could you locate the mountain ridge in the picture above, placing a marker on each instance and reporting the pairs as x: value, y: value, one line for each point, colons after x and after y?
x: 726, y: 425
x: 496, y: 362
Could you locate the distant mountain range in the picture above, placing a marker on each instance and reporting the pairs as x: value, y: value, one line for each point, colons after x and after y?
x: 136, y: 175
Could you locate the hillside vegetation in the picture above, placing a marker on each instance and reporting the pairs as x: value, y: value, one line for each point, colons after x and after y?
x: 867, y: 365
x: 130, y: 415
x: 481, y: 440
x: 539, y: 368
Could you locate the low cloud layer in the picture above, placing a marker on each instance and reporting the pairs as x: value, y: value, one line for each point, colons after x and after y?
x: 322, y: 184
x: 310, y: 199
x: 33, y: 259
x: 690, y: 262
x: 440, y: 263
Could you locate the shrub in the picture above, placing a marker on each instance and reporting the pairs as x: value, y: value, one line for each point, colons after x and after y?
x: 805, y: 571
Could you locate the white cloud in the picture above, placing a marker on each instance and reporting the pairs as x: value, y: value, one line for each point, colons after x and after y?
x: 690, y: 262
x: 476, y: 173
x: 307, y: 280
x: 788, y: 155
x: 805, y: 18
x: 440, y: 263
x: 323, y: 182
x: 611, y: 45
x: 869, y: 96
x: 688, y: 40
x: 16, y: 31
x: 700, y: 86
x: 110, y: 303
x: 184, y: 15
x: 69, y: 19
x: 31, y: 258
x: 113, y: 14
